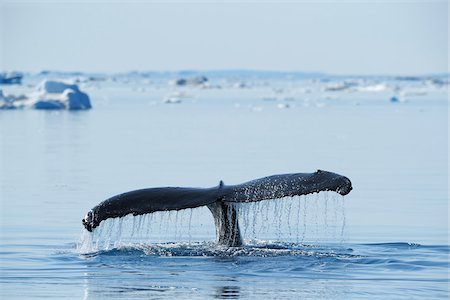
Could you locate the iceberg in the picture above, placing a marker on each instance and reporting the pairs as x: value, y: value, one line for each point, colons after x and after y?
x: 59, y: 95
x: 11, y: 78
x: 49, y: 94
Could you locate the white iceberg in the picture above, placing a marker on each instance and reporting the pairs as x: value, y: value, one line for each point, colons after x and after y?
x: 49, y: 94
x: 59, y: 95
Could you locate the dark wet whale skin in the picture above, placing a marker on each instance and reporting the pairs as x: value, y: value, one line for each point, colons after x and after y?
x: 219, y: 199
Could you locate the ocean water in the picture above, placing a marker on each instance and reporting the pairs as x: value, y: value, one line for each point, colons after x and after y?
x: 387, y: 239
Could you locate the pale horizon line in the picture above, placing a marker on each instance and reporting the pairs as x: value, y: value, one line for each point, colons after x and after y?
x: 235, y: 70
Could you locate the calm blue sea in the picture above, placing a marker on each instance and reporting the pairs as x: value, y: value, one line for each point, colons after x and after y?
x: 387, y: 239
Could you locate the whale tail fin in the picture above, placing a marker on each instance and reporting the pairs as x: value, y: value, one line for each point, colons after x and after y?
x: 288, y: 185
x: 220, y: 199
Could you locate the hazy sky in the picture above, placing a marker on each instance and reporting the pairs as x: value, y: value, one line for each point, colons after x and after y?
x: 342, y: 37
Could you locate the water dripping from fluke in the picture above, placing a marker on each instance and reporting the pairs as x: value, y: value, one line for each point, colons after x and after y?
x: 292, y: 210
x: 288, y: 222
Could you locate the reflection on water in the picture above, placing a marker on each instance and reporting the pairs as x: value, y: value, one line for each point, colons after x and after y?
x: 263, y: 270
x: 228, y: 292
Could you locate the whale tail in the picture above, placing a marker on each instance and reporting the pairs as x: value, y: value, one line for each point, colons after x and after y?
x: 220, y: 200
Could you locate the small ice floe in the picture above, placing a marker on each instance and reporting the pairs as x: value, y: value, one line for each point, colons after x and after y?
x: 438, y: 82
x: 339, y: 86
x: 193, y: 81
x: 176, y: 97
x: 377, y: 88
x: 172, y: 100
x: 11, y: 78
x: 8, y: 101
x: 329, y: 97
x: 180, y: 94
x: 408, y: 78
x: 5, y: 102
x: 283, y: 105
x: 398, y: 99
x: 51, y: 94
x: 394, y: 99
x: 240, y: 85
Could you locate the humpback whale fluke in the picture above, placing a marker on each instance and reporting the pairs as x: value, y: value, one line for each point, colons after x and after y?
x: 220, y: 199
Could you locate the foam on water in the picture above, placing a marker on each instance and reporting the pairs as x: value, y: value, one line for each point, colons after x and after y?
x: 252, y: 248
